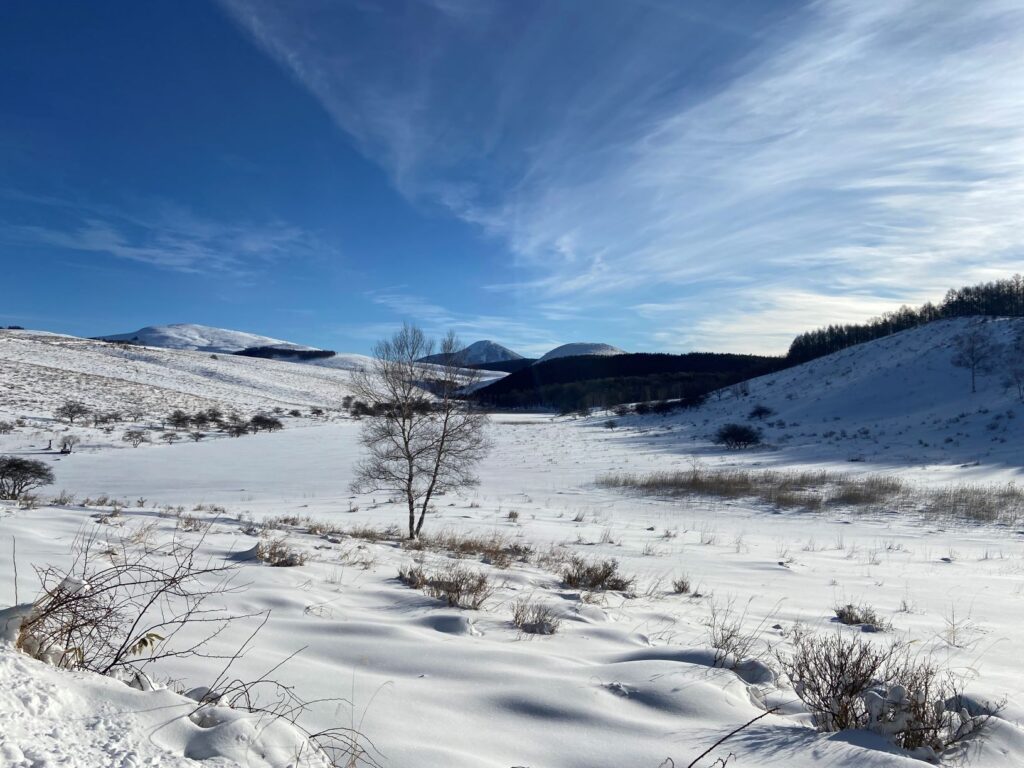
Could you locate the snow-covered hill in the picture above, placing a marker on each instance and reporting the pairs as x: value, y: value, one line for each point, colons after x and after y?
x: 39, y: 371
x: 201, y: 338
x: 480, y: 353
x: 898, y: 400
x: 581, y: 348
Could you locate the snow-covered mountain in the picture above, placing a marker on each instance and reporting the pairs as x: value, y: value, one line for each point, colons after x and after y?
x: 581, y: 348
x: 480, y: 353
x: 201, y: 338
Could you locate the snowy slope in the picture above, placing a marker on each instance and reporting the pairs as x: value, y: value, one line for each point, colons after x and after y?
x: 894, y: 400
x: 39, y: 371
x: 581, y: 348
x: 200, y: 338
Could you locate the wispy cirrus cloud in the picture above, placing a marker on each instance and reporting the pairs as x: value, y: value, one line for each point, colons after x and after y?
x: 813, y: 164
x: 160, y: 234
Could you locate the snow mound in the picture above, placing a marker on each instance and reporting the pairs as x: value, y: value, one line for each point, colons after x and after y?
x: 200, y: 338
x: 581, y: 348
x: 84, y: 720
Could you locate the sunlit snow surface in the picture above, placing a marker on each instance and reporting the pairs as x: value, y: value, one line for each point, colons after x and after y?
x: 625, y: 682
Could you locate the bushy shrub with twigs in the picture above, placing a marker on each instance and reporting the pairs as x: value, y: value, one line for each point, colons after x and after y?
x: 595, y: 575
x: 457, y: 585
x: 121, y: 605
x: 848, y: 682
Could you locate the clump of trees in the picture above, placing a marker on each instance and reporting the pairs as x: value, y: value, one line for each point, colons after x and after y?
x: 422, y: 439
x: 262, y: 421
x: 1001, y: 298
x: 19, y: 476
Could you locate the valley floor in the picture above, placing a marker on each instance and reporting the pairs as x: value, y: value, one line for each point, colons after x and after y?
x: 626, y: 681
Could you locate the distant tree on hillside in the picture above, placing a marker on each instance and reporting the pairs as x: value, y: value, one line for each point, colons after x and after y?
x: 735, y: 436
x: 135, y: 436
x: 70, y: 410
x: 18, y: 476
x: 170, y: 437
x: 760, y: 412
x: 262, y: 421
x: 418, y: 445
x: 1013, y: 364
x: 179, y: 419
x: 975, y: 350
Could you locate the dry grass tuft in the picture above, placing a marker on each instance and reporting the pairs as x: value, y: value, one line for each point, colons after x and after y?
x: 818, y: 490
x: 456, y: 584
x: 595, y: 575
x: 535, y: 618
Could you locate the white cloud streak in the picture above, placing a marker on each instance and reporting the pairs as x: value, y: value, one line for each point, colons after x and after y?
x: 165, y: 236
x: 863, y: 153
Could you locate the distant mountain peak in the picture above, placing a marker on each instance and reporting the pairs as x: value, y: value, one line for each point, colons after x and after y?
x: 480, y: 353
x: 581, y: 348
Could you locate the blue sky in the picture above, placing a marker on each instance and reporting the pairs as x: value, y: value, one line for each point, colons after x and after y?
x: 657, y: 174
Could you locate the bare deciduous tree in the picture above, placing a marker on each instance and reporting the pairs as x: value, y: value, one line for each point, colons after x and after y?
x: 975, y: 350
x: 70, y: 410
x: 1014, y: 364
x: 135, y: 436
x: 421, y: 437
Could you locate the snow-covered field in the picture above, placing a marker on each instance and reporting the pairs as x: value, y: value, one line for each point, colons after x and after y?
x: 625, y: 681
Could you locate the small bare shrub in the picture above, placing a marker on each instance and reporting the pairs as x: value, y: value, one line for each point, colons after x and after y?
x: 535, y: 618
x: 120, y: 606
x: 369, y: 533
x: 597, y: 575
x: 63, y: 499
x: 681, y: 585
x: 456, y: 584
x: 862, y: 615
x: 737, y: 436
x: 279, y: 554
x: 726, y: 633
x: 192, y: 524
x: 495, y: 549
x: 323, y: 528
